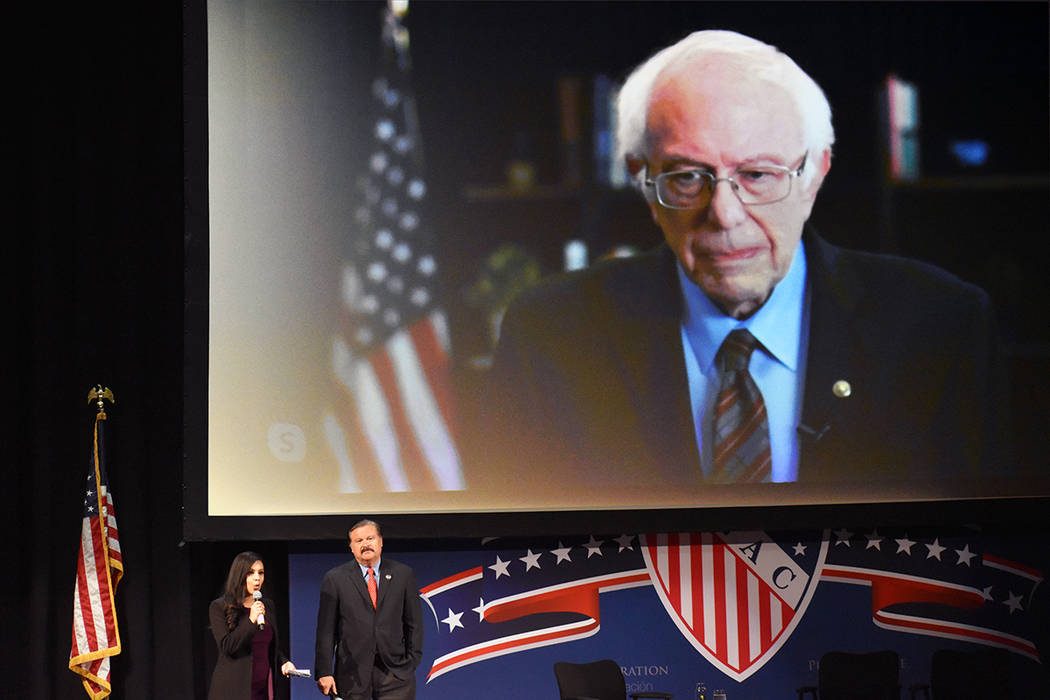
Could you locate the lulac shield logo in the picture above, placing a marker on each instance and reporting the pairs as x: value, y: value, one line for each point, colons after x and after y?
x: 736, y: 596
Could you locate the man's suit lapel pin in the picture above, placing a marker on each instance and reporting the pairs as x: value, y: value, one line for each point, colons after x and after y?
x: 841, y: 389
x: 387, y: 577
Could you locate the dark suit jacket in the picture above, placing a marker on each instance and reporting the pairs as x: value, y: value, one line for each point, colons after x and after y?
x: 589, y: 380
x: 232, y: 677
x: 345, y: 617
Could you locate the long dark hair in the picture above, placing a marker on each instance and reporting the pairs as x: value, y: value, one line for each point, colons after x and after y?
x: 235, y: 589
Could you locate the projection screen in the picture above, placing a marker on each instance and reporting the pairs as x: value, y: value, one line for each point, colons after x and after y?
x: 300, y: 418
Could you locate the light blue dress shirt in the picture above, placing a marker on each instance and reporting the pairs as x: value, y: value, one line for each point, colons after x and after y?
x: 781, y: 325
x: 375, y: 569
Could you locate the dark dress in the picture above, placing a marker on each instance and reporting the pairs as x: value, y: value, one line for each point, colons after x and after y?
x: 261, y: 672
x: 239, y: 653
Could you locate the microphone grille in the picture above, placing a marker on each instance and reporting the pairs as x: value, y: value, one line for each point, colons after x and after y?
x: 257, y: 594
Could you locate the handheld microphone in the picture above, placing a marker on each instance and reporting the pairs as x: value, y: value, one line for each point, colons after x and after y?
x: 257, y: 594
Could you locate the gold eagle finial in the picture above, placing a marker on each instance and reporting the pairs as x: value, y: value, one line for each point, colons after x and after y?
x: 101, y: 394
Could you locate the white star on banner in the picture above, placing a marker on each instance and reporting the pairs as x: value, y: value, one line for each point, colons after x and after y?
x: 594, y: 547
x: 986, y: 593
x: 965, y: 555
x: 874, y: 541
x: 800, y: 549
x: 905, y: 545
x: 500, y: 567
x: 562, y: 552
x: 935, y: 549
x: 453, y: 620
x: 1013, y: 602
x: 625, y: 542
x: 842, y: 537
x: 531, y: 560
x: 480, y: 610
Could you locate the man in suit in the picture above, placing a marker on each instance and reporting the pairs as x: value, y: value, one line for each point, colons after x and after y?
x: 370, y: 620
x: 859, y: 366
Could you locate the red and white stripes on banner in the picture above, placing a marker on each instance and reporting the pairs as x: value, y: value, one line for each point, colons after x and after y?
x: 100, y: 567
x: 889, y: 588
x: 1012, y: 567
x: 577, y: 596
x: 722, y: 606
x: 397, y: 425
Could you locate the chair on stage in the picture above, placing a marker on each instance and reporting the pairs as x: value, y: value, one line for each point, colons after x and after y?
x: 598, y: 680
x: 956, y: 675
x: 847, y: 676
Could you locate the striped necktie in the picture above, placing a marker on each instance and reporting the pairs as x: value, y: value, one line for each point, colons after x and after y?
x: 741, y: 429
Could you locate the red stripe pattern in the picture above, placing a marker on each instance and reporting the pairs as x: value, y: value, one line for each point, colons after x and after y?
x: 741, y: 429
x: 891, y: 588
x: 100, y: 568
x: 580, y: 596
x: 725, y: 608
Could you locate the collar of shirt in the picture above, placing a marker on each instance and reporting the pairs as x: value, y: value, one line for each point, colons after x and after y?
x: 777, y: 324
x: 781, y: 325
x: 364, y: 569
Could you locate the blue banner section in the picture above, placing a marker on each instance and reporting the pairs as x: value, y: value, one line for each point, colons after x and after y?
x: 748, y: 612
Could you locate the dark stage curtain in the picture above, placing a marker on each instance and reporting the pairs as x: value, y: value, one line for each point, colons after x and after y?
x: 93, y: 291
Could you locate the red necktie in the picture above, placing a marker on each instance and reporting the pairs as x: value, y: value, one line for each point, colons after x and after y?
x: 372, y: 588
x: 741, y: 429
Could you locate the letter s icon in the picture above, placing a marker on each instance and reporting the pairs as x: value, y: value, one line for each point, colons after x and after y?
x: 287, y: 442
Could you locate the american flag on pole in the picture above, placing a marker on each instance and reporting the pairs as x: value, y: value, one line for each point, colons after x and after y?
x: 99, y: 570
x: 392, y: 428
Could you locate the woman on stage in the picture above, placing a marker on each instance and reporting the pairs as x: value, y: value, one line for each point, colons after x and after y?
x: 244, y: 625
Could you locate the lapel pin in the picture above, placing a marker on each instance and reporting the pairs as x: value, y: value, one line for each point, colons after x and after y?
x: 387, y: 577
x: 841, y: 389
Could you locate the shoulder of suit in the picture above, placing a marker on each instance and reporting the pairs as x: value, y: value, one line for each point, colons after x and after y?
x: 388, y: 564
x: 603, y: 273
x: 618, y: 283
x: 342, y: 569
x: 887, y: 277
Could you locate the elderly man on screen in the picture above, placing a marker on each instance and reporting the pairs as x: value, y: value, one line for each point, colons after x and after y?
x: 746, y: 349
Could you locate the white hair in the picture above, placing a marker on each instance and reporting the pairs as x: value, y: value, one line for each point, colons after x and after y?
x: 758, y: 58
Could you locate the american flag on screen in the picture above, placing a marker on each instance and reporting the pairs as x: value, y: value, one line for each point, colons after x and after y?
x: 392, y: 427
x: 99, y: 570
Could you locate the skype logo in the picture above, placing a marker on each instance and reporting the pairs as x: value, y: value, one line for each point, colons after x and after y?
x: 287, y: 442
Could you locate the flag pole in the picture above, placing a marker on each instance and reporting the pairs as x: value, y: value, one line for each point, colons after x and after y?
x: 395, y: 34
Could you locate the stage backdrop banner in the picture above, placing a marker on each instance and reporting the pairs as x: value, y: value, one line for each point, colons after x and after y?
x: 747, y: 612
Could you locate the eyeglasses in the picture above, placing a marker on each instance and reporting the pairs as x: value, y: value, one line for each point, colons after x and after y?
x: 694, y: 188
